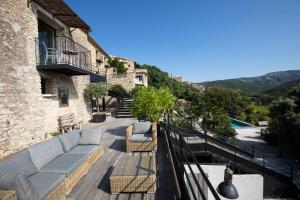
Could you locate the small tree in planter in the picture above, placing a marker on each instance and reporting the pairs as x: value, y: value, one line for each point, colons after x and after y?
x: 97, y: 91
x: 151, y: 103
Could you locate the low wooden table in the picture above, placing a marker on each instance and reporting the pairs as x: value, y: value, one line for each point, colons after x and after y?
x: 134, y: 174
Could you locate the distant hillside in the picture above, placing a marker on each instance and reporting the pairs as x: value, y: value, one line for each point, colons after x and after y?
x: 257, y: 84
x: 283, y: 89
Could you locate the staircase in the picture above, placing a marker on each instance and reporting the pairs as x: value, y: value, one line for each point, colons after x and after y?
x: 123, y: 110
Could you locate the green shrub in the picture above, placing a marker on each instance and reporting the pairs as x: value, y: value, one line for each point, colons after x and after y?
x: 118, y: 90
x: 151, y: 103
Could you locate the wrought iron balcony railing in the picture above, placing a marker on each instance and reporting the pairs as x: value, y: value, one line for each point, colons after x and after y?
x: 62, y: 50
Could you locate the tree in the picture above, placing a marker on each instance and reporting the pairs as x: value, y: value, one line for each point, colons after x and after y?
x: 118, y: 65
x: 151, y: 103
x: 96, y: 91
x: 285, y: 123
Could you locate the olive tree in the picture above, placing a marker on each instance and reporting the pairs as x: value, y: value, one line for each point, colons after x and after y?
x: 96, y: 91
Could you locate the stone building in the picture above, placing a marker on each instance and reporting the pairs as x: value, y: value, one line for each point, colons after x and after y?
x: 141, y: 77
x: 178, y: 79
x: 100, y: 63
x: 133, y: 76
x: 47, y: 59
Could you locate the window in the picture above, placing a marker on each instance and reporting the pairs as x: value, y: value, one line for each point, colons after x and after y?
x: 63, y: 97
x: 139, y: 78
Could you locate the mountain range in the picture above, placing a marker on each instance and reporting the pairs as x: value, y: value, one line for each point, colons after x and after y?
x: 268, y: 82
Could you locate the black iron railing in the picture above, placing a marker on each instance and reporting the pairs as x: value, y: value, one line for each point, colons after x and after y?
x: 232, y: 152
x: 62, y: 50
x: 193, y: 182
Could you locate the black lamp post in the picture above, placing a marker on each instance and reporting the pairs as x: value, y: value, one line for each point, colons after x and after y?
x: 226, y: 188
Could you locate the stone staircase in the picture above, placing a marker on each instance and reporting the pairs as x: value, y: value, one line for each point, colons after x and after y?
x: 124, y: 106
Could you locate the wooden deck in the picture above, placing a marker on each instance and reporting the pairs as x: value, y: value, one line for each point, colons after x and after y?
x: 95, y: 185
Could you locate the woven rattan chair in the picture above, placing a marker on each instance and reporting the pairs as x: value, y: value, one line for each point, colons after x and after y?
x: 141, y: 145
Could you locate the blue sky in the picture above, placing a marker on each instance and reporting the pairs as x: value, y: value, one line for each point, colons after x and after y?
x: 199, y: 39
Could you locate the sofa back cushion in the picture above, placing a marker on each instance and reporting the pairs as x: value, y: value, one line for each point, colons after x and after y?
x: 90, y: 136
x: 43, y: 153
x: 20, y: 162
x: 141, y: 127
x: 20, y: 183
x: 70, y: 140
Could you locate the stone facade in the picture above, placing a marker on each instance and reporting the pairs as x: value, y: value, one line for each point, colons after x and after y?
x: 26, y: 114
x: 126, y: 80
x: 99, y: 57
x: 129, y: 64
x: 131, y: 78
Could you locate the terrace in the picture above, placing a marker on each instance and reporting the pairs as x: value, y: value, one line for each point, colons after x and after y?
x: 95, y: 185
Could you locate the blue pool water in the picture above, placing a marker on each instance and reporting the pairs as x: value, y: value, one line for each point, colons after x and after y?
x: 239, y: 124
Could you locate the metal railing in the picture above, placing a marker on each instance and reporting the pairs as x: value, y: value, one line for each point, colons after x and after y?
x: 193, y: 182
x: 239, y: 155
x: 98, y: 70
x: 215, y: 136
x: 62, y: 50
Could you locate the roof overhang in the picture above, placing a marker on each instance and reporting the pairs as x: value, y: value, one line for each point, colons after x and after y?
x: 95, y: 43
x: 60, y: 10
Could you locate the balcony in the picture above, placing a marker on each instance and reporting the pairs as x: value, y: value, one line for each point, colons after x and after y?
x: 63, y: 55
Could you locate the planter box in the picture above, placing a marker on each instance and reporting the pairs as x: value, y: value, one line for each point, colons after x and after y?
x: 97, y: 118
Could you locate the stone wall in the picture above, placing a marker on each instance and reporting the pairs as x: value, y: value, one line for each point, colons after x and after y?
x: 126, y: 80
x: 25, y: 114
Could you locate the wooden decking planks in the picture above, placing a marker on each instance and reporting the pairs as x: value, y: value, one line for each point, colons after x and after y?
x: 95, y: 184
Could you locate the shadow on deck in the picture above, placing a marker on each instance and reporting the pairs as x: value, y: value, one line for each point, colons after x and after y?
x: 95, y: 184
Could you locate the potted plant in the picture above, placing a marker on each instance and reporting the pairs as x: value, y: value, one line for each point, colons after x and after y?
x: 97, y: 91
x: 150, y: 103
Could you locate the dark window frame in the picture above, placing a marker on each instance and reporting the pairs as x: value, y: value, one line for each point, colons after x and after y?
x: 63, y: 97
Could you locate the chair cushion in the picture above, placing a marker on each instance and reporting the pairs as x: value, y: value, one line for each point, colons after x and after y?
x: 90, y: 136
x: 83, y: 149
x: 44, y: 183
x: 43, y: 153
x: 20, y: 183
x: 140, y: 138
x: 20, y: 162
x: 141, y: 127
x: 65, y: 163
x: 70, y: 140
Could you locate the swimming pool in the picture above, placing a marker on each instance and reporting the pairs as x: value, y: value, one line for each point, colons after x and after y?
x: 239, y: 124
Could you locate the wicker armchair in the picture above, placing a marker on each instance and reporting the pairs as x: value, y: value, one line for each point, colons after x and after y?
x: 141, y: 145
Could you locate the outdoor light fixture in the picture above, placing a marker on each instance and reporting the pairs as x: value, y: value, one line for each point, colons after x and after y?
x: 226, y: 188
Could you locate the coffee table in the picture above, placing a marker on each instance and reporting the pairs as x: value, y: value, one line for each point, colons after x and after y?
x: 134, y: 174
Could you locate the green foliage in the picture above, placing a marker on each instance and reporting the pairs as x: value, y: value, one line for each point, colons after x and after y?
x: 285, y: 123
x: 282, y: 90
x: 97, y: 91
x: 257, y: 85
x: 135, y: 89
x: 151, y: 103
x: 158, y: 79
x: 219, y: 121
x: 118, y: 89
x: 118, y: 65
x: 181, y: 122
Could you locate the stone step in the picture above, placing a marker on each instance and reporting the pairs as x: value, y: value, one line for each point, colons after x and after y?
x: 124, y: 108
x: 124, y: 116
x: 123, y: 112
x: 126, y: 103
